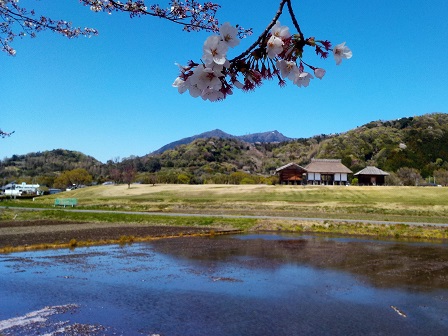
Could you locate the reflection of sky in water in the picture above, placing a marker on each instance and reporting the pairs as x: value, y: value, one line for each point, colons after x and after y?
x: 137, y: 290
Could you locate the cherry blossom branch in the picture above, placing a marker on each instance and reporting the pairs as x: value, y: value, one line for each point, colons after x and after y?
x: 200, y: 16
x: 63, y: 27
x: 191, y: 14
x: 275, y: 53
x: 5, y: 134
x: 14, y: 15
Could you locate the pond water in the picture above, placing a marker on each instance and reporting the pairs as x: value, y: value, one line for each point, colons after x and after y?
x: 264, y: 284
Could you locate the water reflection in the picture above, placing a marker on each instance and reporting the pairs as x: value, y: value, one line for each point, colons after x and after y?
x: 240, y: 285
x: 417, y: 266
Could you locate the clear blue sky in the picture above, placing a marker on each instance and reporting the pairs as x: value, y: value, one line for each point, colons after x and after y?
x: 111, y: 96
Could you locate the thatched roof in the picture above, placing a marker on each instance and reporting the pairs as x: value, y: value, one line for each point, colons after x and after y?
x: 327, y: 166
x: 370, y: 170
x: 290, y: 165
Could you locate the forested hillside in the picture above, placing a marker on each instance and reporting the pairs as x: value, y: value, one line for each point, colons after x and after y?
x: 44, y: 167
x: 414, y: 144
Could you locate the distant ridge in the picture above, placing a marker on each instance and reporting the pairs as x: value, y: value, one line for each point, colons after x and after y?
x: 264, y: 137
x: 272, y: 136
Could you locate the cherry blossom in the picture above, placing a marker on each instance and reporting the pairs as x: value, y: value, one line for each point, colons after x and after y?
x: 341, y: 51
x: 181, y: 85
x: 274, y: 46
x: 288, y: 69
x: 303, y: 79
x: 280, y: 31
x: 212, y: 95
x: 207, y: 77
x: 275, y: 43
x: 319, y: 72
x: 229, y: 35
x: 202, y: 81
x: 215, y: 50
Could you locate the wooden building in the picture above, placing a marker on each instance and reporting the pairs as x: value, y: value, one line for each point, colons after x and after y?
x: 371, y: 176
x: 291, y: 174
x: 327, y: 172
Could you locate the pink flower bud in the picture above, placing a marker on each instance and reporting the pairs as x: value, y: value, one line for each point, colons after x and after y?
x: 319, y: 72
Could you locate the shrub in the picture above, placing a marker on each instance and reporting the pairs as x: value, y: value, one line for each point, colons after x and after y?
x: 72, y: 243
x: 247, y: 180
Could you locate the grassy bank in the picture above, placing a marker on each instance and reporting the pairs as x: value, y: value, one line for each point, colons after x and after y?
x: 236, y: 223
x: 407, y: 204
x: 398, y: 204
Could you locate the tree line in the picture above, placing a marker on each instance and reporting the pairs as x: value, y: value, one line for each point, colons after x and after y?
x: 413, y: 150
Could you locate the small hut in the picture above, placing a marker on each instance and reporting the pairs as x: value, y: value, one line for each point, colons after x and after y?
x: 327, y: 171
x: 371, y: 176
x: 291, y: 174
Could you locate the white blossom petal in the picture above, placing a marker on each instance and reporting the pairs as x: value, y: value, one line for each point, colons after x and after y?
x: 303, y: 79
x: 214, y: 50
x: 181, y: 85
x: 288, y: 69
x: 280, y: 31
x: 319, y: 72
x: 341, y: 51
x: 274, y: 46
x: 229, y: 35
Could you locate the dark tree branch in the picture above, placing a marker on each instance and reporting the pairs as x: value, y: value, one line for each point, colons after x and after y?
x: 263, y: 35
x: 5, y: 134
x: 294, y: 20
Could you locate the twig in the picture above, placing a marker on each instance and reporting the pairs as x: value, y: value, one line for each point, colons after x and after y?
x: 294, y: 20
x: 264, y: 34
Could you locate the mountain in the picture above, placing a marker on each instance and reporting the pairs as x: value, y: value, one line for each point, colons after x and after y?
x: 265, y: 137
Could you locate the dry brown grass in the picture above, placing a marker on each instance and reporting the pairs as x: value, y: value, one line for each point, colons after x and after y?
x: 377, y: 203
x: 215, y: 189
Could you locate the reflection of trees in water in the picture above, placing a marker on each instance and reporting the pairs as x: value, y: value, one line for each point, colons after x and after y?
x: 382, y: 264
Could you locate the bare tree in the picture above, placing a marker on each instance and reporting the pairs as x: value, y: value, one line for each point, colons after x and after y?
x: 441, y: 177
x: 116, y: 175
x: 409, y: 176
x: 128, y: 174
